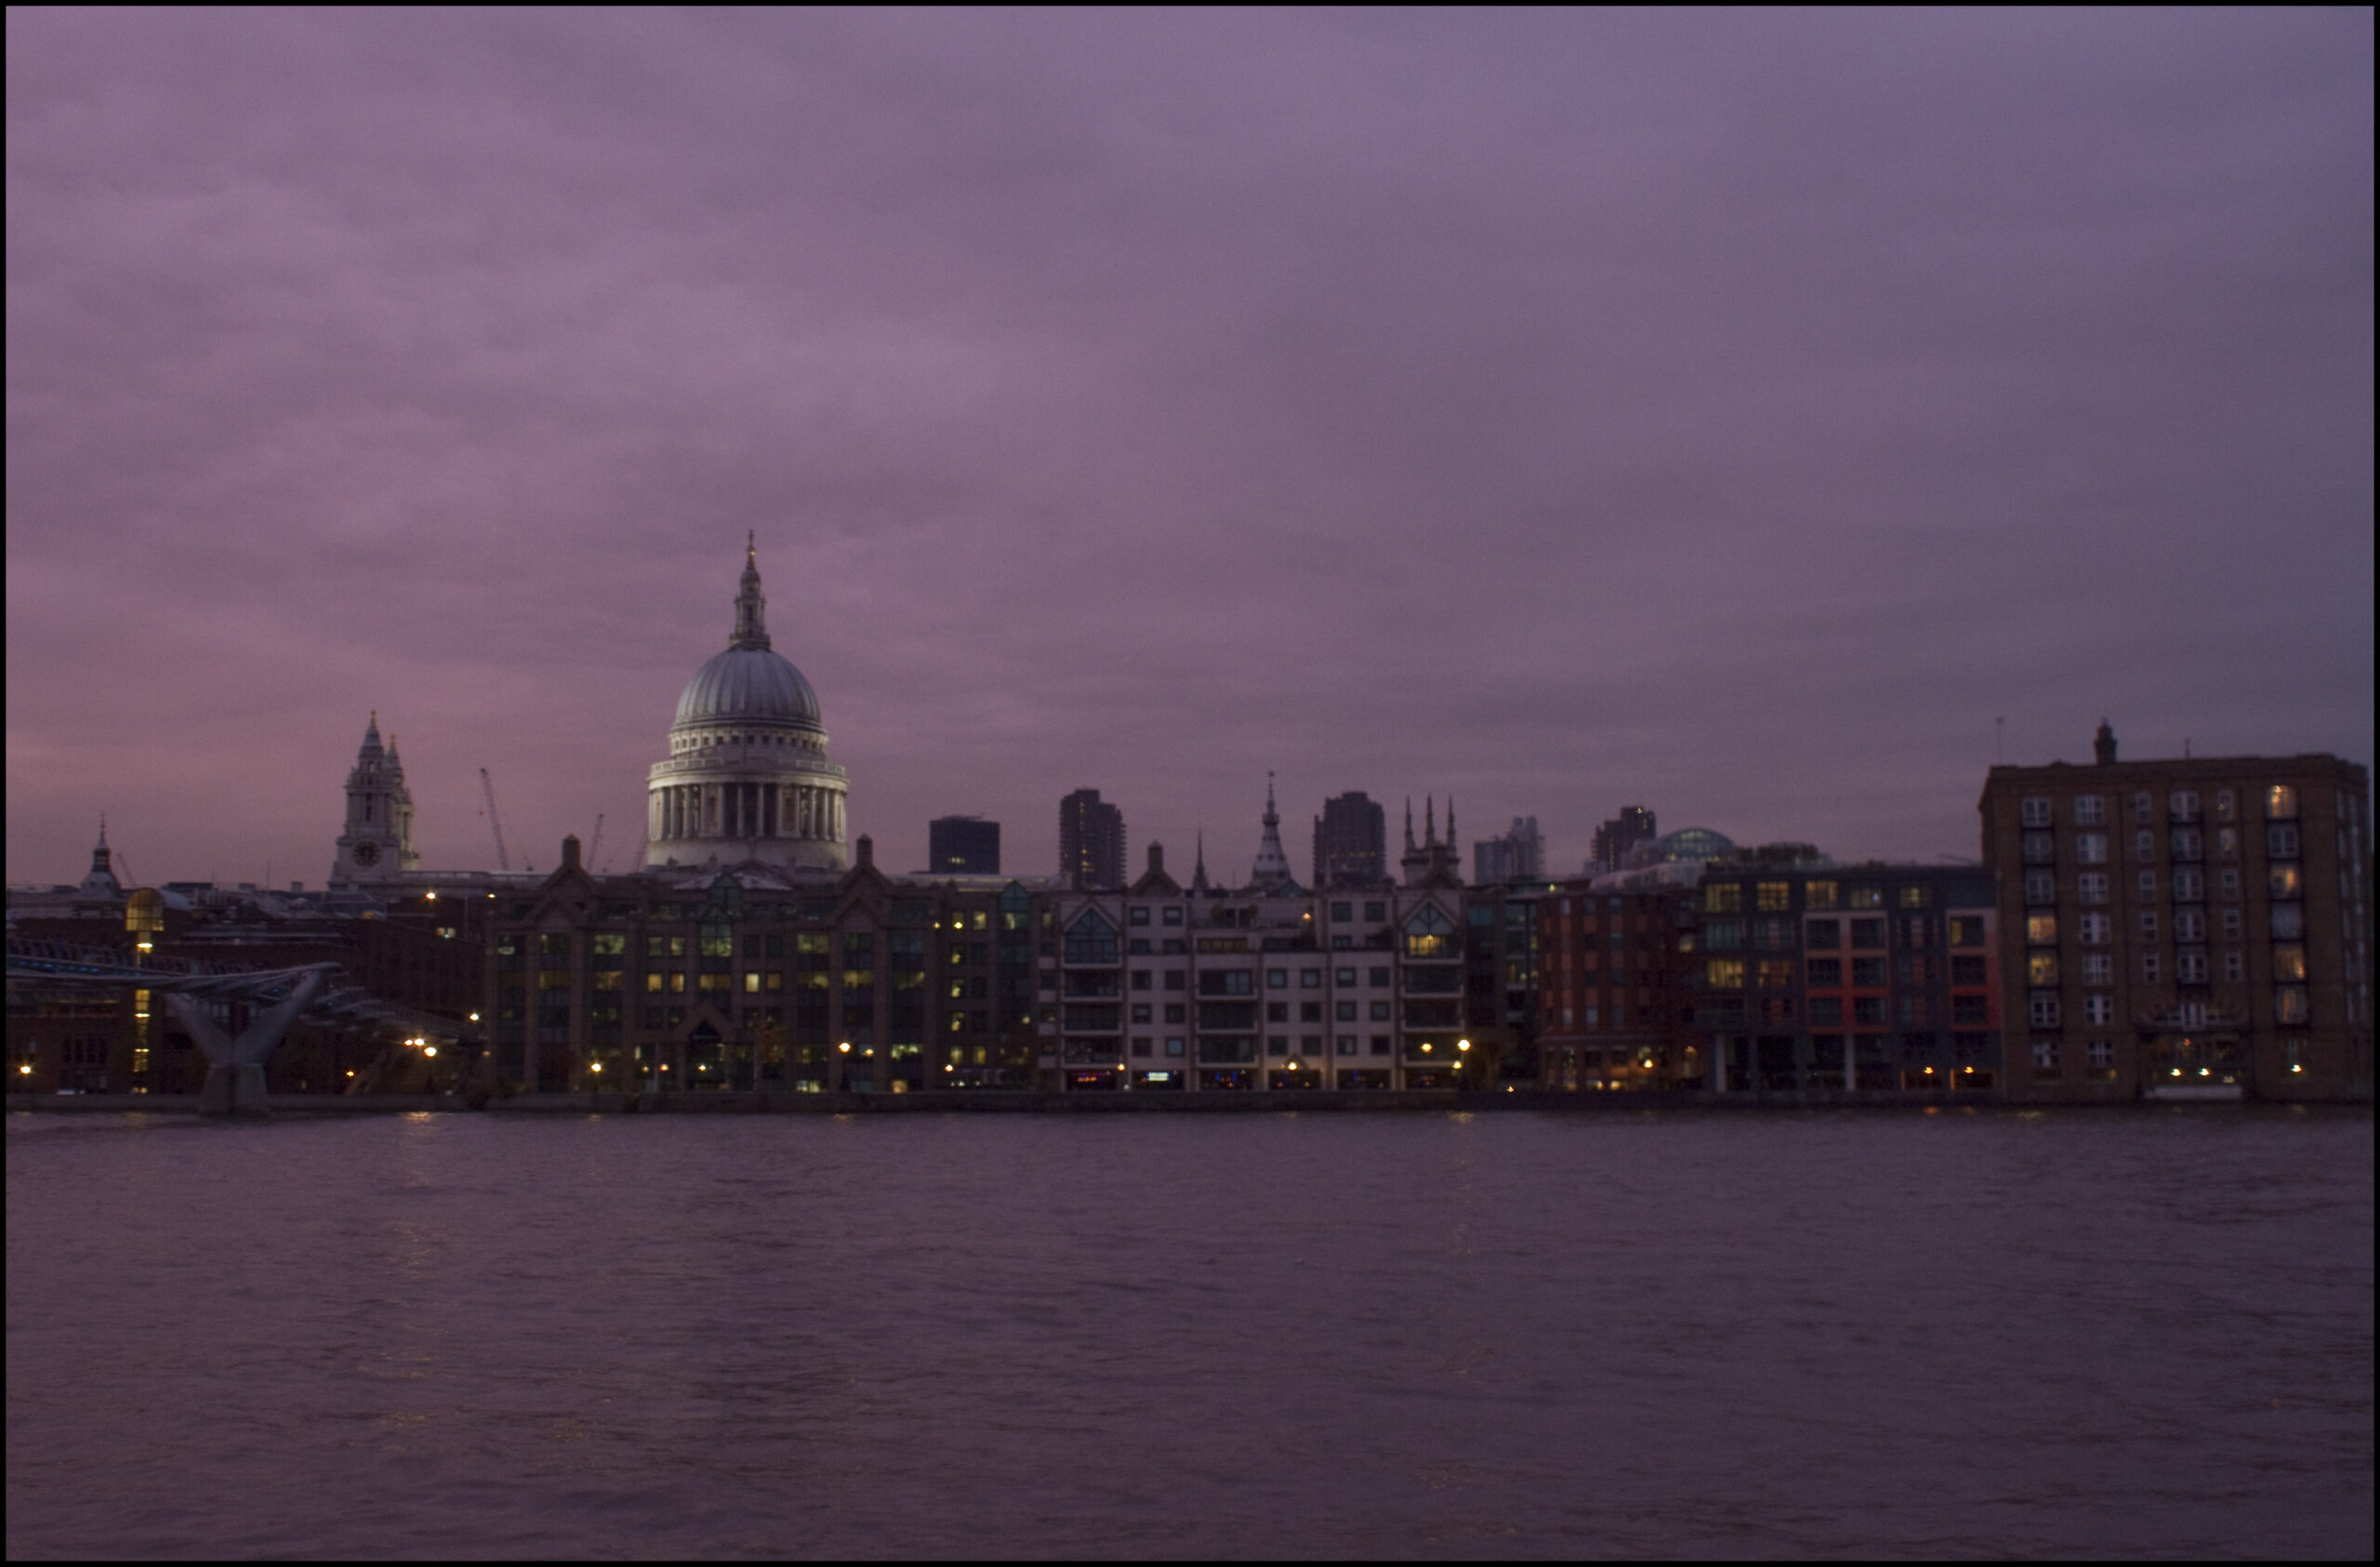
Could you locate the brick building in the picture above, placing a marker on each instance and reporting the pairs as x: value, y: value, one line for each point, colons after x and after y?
x: 2191, y: 928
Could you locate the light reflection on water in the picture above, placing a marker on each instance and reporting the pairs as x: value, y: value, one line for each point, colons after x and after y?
x: 1494, y: 1334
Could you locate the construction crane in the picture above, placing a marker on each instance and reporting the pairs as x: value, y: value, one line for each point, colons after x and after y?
x: 595, y: 845
x: 487, y: 786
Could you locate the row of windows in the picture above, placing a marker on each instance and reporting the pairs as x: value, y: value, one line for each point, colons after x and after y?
x: 2187, y: 843
x: 2282, y: 881
x: 1776, y: 897
x: 2290, y: 1004
x: 2181, y: 805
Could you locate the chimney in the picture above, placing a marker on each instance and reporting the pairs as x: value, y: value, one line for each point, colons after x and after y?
x: 570, y: 851
x: 1156, y: 858
x: 866, y: 852
x: 2104, y: 747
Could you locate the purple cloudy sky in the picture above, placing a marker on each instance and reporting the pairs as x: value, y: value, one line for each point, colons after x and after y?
x: 1731, y: 411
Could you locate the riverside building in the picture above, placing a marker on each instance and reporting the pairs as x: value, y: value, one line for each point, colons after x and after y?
x: 2192, y: 928
x: 1199, y: 988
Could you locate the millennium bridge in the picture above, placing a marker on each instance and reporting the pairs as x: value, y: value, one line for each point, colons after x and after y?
x: 275, y: 997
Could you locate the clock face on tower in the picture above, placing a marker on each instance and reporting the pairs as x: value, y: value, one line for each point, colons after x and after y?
x: 367, y: 854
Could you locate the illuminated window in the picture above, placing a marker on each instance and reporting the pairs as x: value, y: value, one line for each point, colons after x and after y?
x: 2289, y: 1004
x: 1818, y: 895
x: 1429, y: 934
x: 1912, y: 897
x: 2224, y: 805
x: 1966, y: 931
x: 2280, y: 803
x: 2040, y: 968
x: 1774, y: 897
x: 2282, y: 881
x: 1723, y: 898
x: 1775, y: 973
x: 2226, y: 843
x: 2289, y: 962
x: 2041, y: 930
x: 1867, y: 898
x: 1725, y: 973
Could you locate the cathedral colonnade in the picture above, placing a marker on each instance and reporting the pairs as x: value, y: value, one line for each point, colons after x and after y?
x: 805, y: 812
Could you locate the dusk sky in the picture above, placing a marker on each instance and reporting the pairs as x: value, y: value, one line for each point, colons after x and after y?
x: 1733, y: 412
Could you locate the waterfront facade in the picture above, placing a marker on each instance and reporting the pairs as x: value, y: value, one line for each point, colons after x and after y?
x: 2184, y: 927
x: 756, y: 978
x: 1614, y: 999
x: 1816, y: 978
x: 1164, y: 988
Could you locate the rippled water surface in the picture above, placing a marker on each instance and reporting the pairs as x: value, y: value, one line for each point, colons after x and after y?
x: 1506, y: 1335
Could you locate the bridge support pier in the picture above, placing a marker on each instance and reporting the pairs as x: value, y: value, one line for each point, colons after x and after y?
x: 235, y: 1067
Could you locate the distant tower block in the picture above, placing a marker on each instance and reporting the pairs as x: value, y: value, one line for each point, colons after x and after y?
x: 1090, y: 842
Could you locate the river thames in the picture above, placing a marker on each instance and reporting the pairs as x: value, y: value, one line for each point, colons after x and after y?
x: 1668, y: 1334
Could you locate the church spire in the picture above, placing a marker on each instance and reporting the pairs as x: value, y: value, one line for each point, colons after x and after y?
x: 1198, y: 878
x: 1272, y: 862
x: 100, y: 882
x: 751, y: 631
x: 1409, y: 823
x: 372, y: 733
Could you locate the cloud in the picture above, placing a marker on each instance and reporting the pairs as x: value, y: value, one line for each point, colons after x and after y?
x: 1734, y: 413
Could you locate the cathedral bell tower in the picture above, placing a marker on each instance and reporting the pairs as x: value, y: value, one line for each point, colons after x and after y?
x: 377, y: 843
